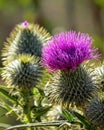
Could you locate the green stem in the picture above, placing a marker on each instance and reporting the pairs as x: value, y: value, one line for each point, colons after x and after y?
x: 28, y: 116
x: 29, y: 120
x: 28, y: 102
x: 40, y: 124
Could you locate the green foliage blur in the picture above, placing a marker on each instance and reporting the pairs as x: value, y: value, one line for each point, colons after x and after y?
x: 99, y: 3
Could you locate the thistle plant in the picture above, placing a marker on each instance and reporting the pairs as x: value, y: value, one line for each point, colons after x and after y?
x: 75, y: 83
x: 74, y: 80
x: 22, y: 71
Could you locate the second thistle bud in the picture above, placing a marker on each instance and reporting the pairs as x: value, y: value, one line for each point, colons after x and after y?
x: 26, y: 38
x: 25, y: 71
x: 95, y: 112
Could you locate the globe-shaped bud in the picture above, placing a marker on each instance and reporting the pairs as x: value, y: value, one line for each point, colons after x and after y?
x: 72, y: 87
x: 95, y: 112
x: 25, y: 71
x: 26, y: 38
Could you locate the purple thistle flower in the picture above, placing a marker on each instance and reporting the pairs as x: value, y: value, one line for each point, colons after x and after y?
x: 68, y: 50
x: 25, y: 24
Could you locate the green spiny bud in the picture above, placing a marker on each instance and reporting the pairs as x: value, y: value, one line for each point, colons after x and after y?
x: 26, y: 38
x: 72, y: 87
x: 25, y: 71
x: 95, y: 112
x: 100, y: 72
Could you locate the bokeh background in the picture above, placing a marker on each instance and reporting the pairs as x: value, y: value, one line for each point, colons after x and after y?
x: 55, y: 15
x: 86, y: 16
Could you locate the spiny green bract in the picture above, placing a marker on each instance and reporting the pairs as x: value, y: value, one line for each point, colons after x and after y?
x: 100, y: 72
x: 76, y: 87
x: 95, y: 112
x: 25, y: 71
x: 24, y: 40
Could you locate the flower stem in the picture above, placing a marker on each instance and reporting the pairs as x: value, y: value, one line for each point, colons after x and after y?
x: 28, y: 102
x: 40, y: 124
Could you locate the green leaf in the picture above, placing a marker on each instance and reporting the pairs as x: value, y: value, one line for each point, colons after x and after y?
x: 2, y: 115
x: 39, y: 111
x: 6, y: 107
x: 41, y: 91
x: 3, y: 106
x: 1, y: 70
x: 84, y: 121
x: 68, y: 115
x: 8, y: 96
x: 3, y: 125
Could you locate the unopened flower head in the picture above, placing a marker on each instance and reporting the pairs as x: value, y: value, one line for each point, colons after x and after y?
x: 95, y: 112
x: 23, y: 72
x: 26, y: 38
x: 66, y: 51
x: 72, y: 88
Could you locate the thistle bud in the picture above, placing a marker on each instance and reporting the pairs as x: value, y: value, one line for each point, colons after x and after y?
x: 95, y: 112
x: 26, y: 38
x: 25, y: 71
x: 72, y: 87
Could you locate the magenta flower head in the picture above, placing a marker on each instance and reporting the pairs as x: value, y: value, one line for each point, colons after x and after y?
x: 66, y: 51
x: 25, y: 24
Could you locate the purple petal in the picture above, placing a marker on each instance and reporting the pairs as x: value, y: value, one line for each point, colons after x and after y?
x: 68, y: 50
x: 25, y: 24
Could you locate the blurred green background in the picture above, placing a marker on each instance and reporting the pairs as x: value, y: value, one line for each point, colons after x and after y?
x: 55, y: 15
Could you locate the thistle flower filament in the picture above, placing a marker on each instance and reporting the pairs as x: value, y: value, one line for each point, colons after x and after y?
x: 67, y: 51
